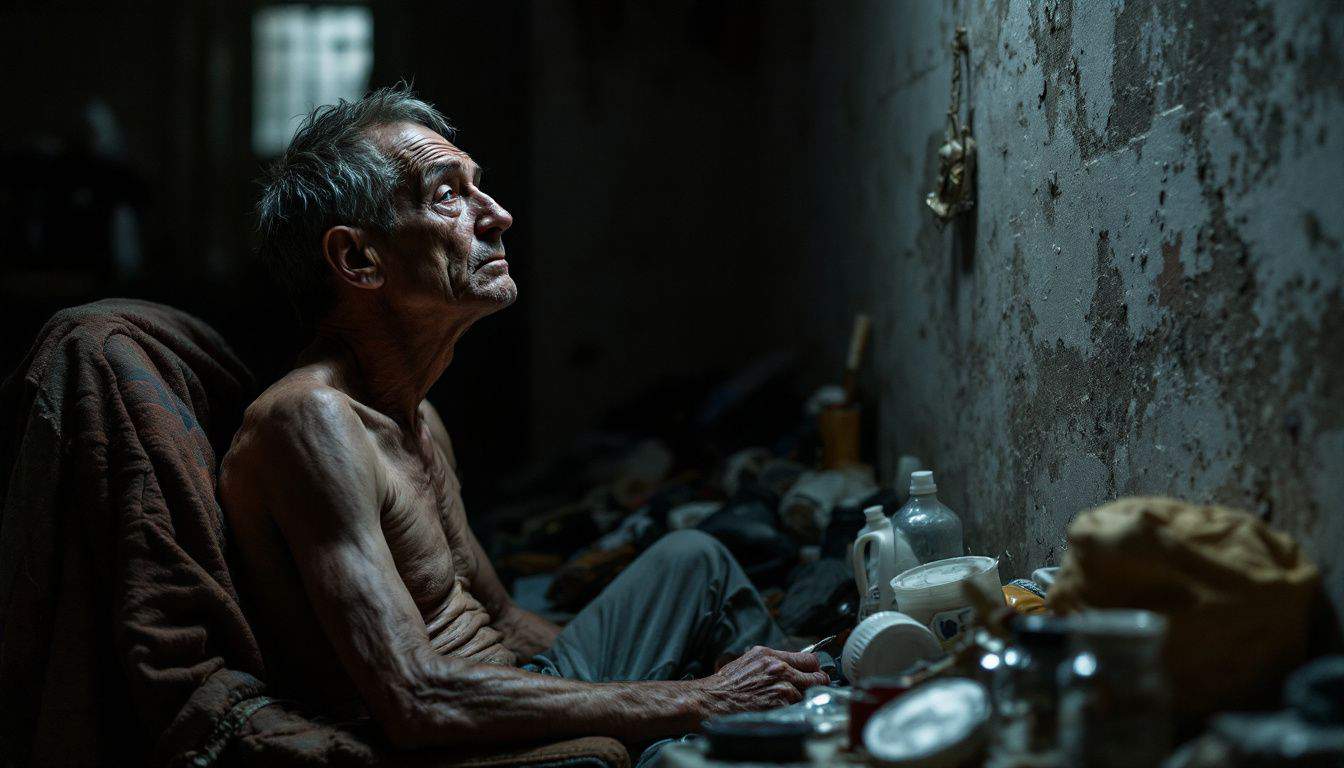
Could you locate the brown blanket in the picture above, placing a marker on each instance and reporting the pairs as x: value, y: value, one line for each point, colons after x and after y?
x: 116, y: 605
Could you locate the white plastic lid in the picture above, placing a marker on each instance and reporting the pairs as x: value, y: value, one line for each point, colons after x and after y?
x: 886, y: 643
x: 875, y: 513
x: 922, y: 482
x: 940, y: 572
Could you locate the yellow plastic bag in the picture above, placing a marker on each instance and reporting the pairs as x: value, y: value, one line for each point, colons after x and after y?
x: 1238, y: 596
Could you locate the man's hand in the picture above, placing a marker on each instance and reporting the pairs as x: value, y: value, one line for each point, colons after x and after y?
x: 761, y: 678
x: 525, y: 633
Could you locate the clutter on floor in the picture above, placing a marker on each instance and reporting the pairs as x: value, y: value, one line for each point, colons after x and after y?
x: 1160, y: 614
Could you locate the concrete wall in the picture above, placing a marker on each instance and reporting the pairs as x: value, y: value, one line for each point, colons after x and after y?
x: 1148, y: 298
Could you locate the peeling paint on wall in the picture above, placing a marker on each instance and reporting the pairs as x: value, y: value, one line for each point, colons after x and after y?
x: 1152, y: 299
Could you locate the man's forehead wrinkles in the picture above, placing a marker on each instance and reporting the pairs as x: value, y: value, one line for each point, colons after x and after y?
x: 438, y: 167
x: 425, y: 150
x: 425, y: 158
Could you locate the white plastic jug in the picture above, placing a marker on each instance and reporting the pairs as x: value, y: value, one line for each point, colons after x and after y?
x: 891, y: 554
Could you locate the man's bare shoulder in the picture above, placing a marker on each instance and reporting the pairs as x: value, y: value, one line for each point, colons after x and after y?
x: 298, y: 405
x: 300, y: 431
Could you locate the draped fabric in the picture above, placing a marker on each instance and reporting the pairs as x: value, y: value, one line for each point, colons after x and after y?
x: 115, y: 599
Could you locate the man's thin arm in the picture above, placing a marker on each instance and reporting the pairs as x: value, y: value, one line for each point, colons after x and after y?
x: 322, y: 487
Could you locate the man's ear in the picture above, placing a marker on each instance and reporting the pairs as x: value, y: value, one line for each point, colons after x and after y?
x: 352, y: 257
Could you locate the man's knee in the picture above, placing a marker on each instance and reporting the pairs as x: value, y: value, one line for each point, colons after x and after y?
x: 691, y: 550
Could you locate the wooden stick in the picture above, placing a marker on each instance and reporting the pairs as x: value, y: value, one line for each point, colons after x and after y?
x: 858, y: 340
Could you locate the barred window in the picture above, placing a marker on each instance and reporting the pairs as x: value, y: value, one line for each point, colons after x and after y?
x: 303, y: 56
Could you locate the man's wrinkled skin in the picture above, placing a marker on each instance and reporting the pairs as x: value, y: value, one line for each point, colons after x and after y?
x: 341, y: 491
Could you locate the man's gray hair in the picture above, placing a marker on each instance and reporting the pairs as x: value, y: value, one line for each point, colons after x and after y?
x: 333, y: 174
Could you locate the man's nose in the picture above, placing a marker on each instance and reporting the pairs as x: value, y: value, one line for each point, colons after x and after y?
x: 493, y: 220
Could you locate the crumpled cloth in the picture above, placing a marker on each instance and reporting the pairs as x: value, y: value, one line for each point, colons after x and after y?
x: 817, y: 593
x: 1238, y: 596
x: 591, y: 569
x: 749, y: 526
x: 806, y: 507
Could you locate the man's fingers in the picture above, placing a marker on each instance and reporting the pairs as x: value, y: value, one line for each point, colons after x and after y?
x: 789, y: 693
x: 811, y: 679
x: 804, y: 680
x: 806, y: 662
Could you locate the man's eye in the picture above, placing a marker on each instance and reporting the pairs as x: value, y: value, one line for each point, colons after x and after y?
x: 444, y: 194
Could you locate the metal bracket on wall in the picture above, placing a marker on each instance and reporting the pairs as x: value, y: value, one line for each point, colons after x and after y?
x: 955, y: 193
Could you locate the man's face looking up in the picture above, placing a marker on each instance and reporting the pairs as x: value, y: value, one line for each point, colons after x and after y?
x: 447, y: 248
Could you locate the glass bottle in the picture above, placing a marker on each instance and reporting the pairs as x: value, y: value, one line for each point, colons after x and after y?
x: 1115, y: 699
x: 933, y: 530
x: 1026, y: 691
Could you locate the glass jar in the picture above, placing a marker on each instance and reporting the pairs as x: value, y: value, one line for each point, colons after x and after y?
x: 1026, y: 689
x: 1115, y: 699
x: 868, y: 696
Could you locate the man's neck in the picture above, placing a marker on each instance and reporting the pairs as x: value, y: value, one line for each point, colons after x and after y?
x: 390, y: 361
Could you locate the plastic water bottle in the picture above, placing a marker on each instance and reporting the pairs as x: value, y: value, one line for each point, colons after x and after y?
x: 880, y: 554
x: 934, y: 531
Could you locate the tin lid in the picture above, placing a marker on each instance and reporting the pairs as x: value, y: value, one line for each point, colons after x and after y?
x: 941, y: 723
x: 757, y: 738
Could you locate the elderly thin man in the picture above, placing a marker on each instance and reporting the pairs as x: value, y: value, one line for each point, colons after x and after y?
x: 372, y: 592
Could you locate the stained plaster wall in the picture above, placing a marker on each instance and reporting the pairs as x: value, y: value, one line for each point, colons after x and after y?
x: 1148, y: 296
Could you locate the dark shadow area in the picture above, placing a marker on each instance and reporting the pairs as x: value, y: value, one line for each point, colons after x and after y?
x: 624, y: 139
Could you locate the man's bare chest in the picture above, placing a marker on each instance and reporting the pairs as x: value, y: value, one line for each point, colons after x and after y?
x: 424, y: 524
